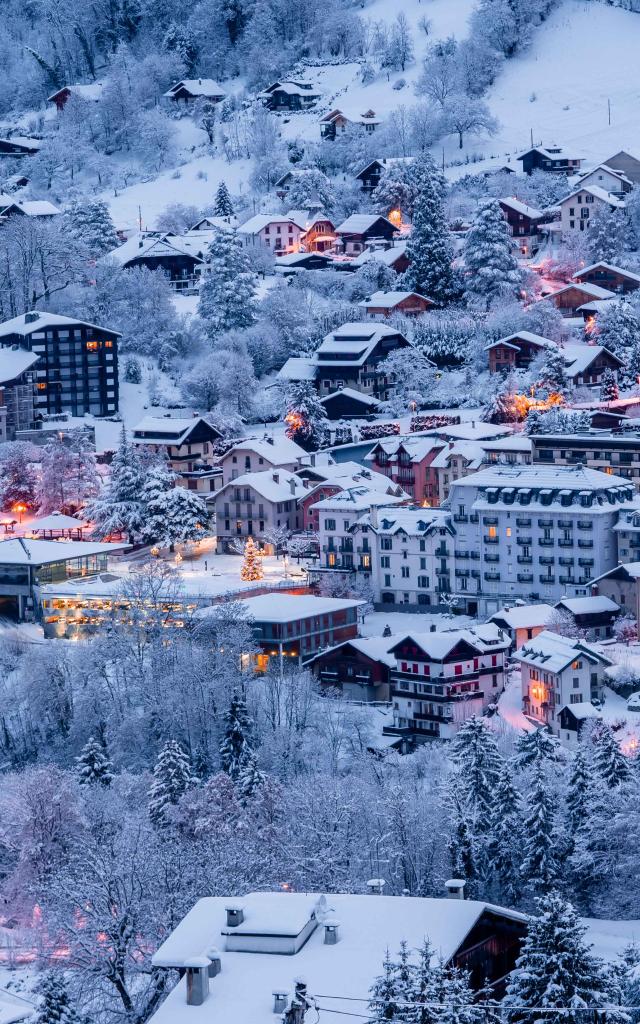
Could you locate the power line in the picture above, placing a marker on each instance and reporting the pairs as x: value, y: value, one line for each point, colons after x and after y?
x: 496, y: 1007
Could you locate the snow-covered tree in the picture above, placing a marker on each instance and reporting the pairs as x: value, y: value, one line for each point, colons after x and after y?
x: 397, y: 189
x: 235, y: 746
x: 540, y: 865
x: 18, y: 480
x: 504, y: 847
x: 93, y: 764
x: 185, y: 516
x: 609, y: 762
x: 557, y: 421
x: 305, y: 415
x: 159, y: 480
x: 462, y: 846
x: 252, y: 563
x: 89, y: 221
x: 607, y: 236
x: 479, y: 764
x: 578, y: 798
x: 556, y: 967
x: 429, y: 247
x: 384, y: 1004
x: 172, y: 776
x: 550, y: 371
x: 535, y: 747
x: 119, y: 508
x: 491, y: 267
x: 55, y: 1006
x: 223, y: 207
x: 309, y: 185
x: 177, y: 218
x: 464, y: 115
x: 618, y: 327
x: 68, y: 474
x: 411, y: 377
x: 609, y: 386
x: 250, y: 778
x: 228, y: 289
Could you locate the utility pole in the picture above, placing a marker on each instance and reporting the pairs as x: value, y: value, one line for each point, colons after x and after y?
x: 140, y: 217
x: 443, y: 159
x: 531, y: 131
x: 609, y: 110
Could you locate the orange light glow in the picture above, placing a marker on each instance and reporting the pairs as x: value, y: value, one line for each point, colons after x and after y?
x: 395, y: 216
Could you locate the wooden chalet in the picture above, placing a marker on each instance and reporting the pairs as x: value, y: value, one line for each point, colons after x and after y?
x: 382, y: 305
x: 359, y: 668
x: 174, y: 254
x: 290, y: 95
x: 91, y: 92
x: 41, y: 209
x: 19, y: 146
x: 552, y: 159
x: 608, y: 276
x: 569, y: 299
x: 523, y: 221
x: 346, y: 404
x: 191, y: 89
x: 362, y: 229
x: 349, y: 357
x: 187, y: 443
x: 369, y: 176
x: 586, y: 364
x: 515, y: 352
x: 336, y: 122
x: 393, y: 255
x: 289, y: 264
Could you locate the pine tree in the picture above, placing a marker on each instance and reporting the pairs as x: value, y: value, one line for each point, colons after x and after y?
x: 384, y: 1002
x: 452, y: 992
x: 252, y: 564
x: 607, y: 236
x: 160, y: 479
x: 305, y: 415
x: 462, y: 846
x: 429, y: 248
x: 55, y: 1006
x: 556, y: 967
x: 223, y: 206
x: 552, y: 373
x: 618, y: 328
x: 535, y: 747
x: 172, y: 776
x: 579, y: 789
x: 479, y: 766
x: 186, y: 516
x: 227, y: 292
x: 93, y: 764
x: 609, y: 763
x: 540, y: 864
x: 235, y: 748
x: 504, y: 847
x: 250, y: 778
x: 119, y: 508
x: 491, y: 267
x: 609, y: 386
x: 89, y: 221
x: 17, y: 478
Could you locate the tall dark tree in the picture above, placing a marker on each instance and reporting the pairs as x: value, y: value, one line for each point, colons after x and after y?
x: 429, y: 247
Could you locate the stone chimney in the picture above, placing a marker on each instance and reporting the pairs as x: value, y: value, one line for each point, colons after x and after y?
x: 455, y: 888
x: 197, y: 971
x: 30, y: 318
x: 376, y: 886
x: 276, y: 477
x: 373, y: 516
x: 331, y: 931
x: 235, y: 915
x: 292, y: 484
x: 215, y: 961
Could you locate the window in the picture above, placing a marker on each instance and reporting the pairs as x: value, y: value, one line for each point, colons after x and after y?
x: 405, y: 572
x: 575, y: 698
x: 385, y: 562
x: 576, y: 682
x: 493, y: 532
x: 329, y: 524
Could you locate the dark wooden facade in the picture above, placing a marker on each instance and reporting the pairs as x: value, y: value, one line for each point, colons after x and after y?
x: 490, y: 950
x: 279, y: 97
x: 369, y: 176
x: 337, y: 371
x: 512, y: 353
x: 181, y: 267
x: 354, y: 242
x: 339, y: 405
x: 615, y: 279
x: 358, y: 675
x: 9, y: 147
x: 550, y: 160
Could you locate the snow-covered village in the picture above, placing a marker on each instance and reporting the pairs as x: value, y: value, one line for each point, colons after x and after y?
x: 320, y: 512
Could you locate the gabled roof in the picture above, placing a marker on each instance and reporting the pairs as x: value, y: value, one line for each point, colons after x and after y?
x: 518, y: 207
x: 388, y: 300
x: 552, y: 153
x: 439, y: 645
x: 14, y: 1008
x: 298, y: 368
x: 355, y: 396
x: 152, y: 245
x: 356, y: 340
x: 625, y: 571
x: 20, y: 325
x: 387, y: 161
x: 525, y: 616
x: 90, y: 91
x: 610, y: 170
x: 31, y: 207
x: 359, y: 498
x: 358, y: 223
x: 588, y: 605
x: 579, y: 358
x: 606, y: 266
x: 260, y: 221
x: 583, y: 709
x: 598, y: 193
x: 288, y: 486
x: 197, y: 87
x: 289, y: 607
x: 592, y: 291
x: 56, y: 521
x: 377, y: 648
x: 553, y: 653
x: 283, y: 450
x: 386, y: 256
x: 14, y: 362
x: 22, y: 551
x: 528, y: 336
x: 23, y: 142
x: 172, y: 430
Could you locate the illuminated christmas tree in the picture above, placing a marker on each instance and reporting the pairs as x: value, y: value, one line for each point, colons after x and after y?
x: 252, y: 566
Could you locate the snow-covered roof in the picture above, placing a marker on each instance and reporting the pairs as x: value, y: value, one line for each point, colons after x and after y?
x: 23, y: 141
x: 607, y: 266
x: 591, y: 291
x: 375, y: 647
x: 274, y: 485
x: 259, y: 221
x: 413, y: 521
x: 369, y: 925
x: 165, y: 429
x: 298, y: 368
x: 357, y: 396
x: 518, y: 207
x: 387, y: 300
x: 357, y: 340
x: 526, y: 616
x: 416, y: 447
x: 23, y: 326
x: 292, y: 89
x: 32, y: 207
x: 386, y: 161
x: 351, y: 474
x: 598, y: 193
x: 514, y: 443
x: 152, y: 245
x: 289, y: 607
x: 583, y: 709
x: 533, y: 339
x: 471, y: 451
x: 358, y: 223
x: 552, y: 478
x: 439, y: 644
x: 628, y: 569
x: 56, y: 521
x: 553, y: 152
x: 14, y: 1008
x: 588, y: 605
x: 553, y: 653
x: 291, y: 259
x: 279, y: 451
x: 21, y: 551
x: 471, y: 430
x: 14, y: 362
x: 90, y: 91
x: 579, y: 358
x: 610, y: 170
x: 358, y: 499
x: 197, y: 87
x: 385, y: 256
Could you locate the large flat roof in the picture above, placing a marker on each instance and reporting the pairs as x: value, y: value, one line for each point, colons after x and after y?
x: 21, y: 551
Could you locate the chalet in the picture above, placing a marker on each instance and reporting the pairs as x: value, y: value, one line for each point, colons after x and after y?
x: 622, y: 586
x: 441, y: 679
x: 40, y: 209
x: 516, y: 352
x: 176, y: 255
x: 17, y: 391
x: 18, y: 146
x: 211, y: 224
x: 559, y: 671
x: 362, y: 229
x: 627, y: 164
x: 77, y: 369
x: 90, y: 93
x: 369, y: 176
x: 552, y: 159
x: 523, y: 622
x: 382, y: 305
x: 607, y: 178
x: 283, y: 184
x: 291, y: 263
x: 283, y: 233
x: 253, y: 504
x: 594, y: 616
x: 336, y: 479
x: 572, y: 718
x: 336, y: 122
x: 407, y: 462
x: 350, y: 356
x: 571, y: 297
x: 582, y: 204
x: 347, y: 404
x: 256, y: 455
x: 191, y: 89
x: 360, y: 669
x: 587, y: 363
x: 289, y: 95
x: 188, y: 445
x: 393, y: 255
x: 609, y: 277
x: 523, y: 221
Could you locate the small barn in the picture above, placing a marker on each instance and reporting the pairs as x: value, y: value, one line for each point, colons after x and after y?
x: 191, y: 89
x: 346, y: 404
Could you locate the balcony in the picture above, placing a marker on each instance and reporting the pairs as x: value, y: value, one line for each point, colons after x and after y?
x: 565, y: 524
x: 475, y: 518
x: 565, y: 543
x: 585, y: 543
x: 547, y: 579
x: 489, y: 520
x: 547, y: 560
x: 442, y: 572
x: 567, y: 579
x: 525, y: 559
x: 545, y: 524
x: 492, y: 577
x: 491, y: 540
x: 525, y: 577
x: 492, y: 556
x: 524, y: 540
x: 586, y: 563
x: 523, y: 522
x: 566, y: 561
x: 462, y: 554
x: 585, y: 524
x: 546, y: 542
x: 442, y: 552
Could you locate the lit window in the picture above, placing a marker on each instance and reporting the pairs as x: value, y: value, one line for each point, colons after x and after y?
x: 41, y: 386
x: 493, y: 531
x: 92, y: 346
x: 508, y: 531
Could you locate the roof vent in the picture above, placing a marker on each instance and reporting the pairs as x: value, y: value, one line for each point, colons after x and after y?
x: 30, y: 318
x: 455, y: 888
x: 235, y: 915
x: 331, y: 931
x: 197, y: 970
x: 215, y: 961
x: 280, y: 1000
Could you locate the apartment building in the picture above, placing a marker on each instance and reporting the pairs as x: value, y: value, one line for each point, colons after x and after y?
x: 533, y: 532
x: 341, y: 547
x: 559, y: 672
x: 254, y: 504
x: 257, y: 455
x: 611, y: 452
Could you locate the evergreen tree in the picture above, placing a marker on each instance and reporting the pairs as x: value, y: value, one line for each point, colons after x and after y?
x: 491, y: 267
x: 556, y: 968
x: 250, y: 778
x: 385, y: 999
x: 305, y: 415
x: 172, y: 776
x: 504, y: 848
x: 223, y: 206
x: 552, y: 373
x: 535, y: 747
x: 618, y: 328
x: 429, y: 247
x: 309, y: 186
x: 18, y: 481
x: 235, y: 748
x: 119, y: 507
x: 398, y: 188
x: 453, y: 993
x: 185, y: 516
x: 540, y: 863
x: 252, y: 564
x: 631, y: 372
x: 93, y: 764
x: 579, y: 790
x: 132, y: 371
x: 227, y: 292
x: 55, y: 1006
x: 479, y: 767
x: 609, y: 763
x: 89, y: 221
x: 160, y: 479
x: 607, y: 236
x: 609, y: 386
